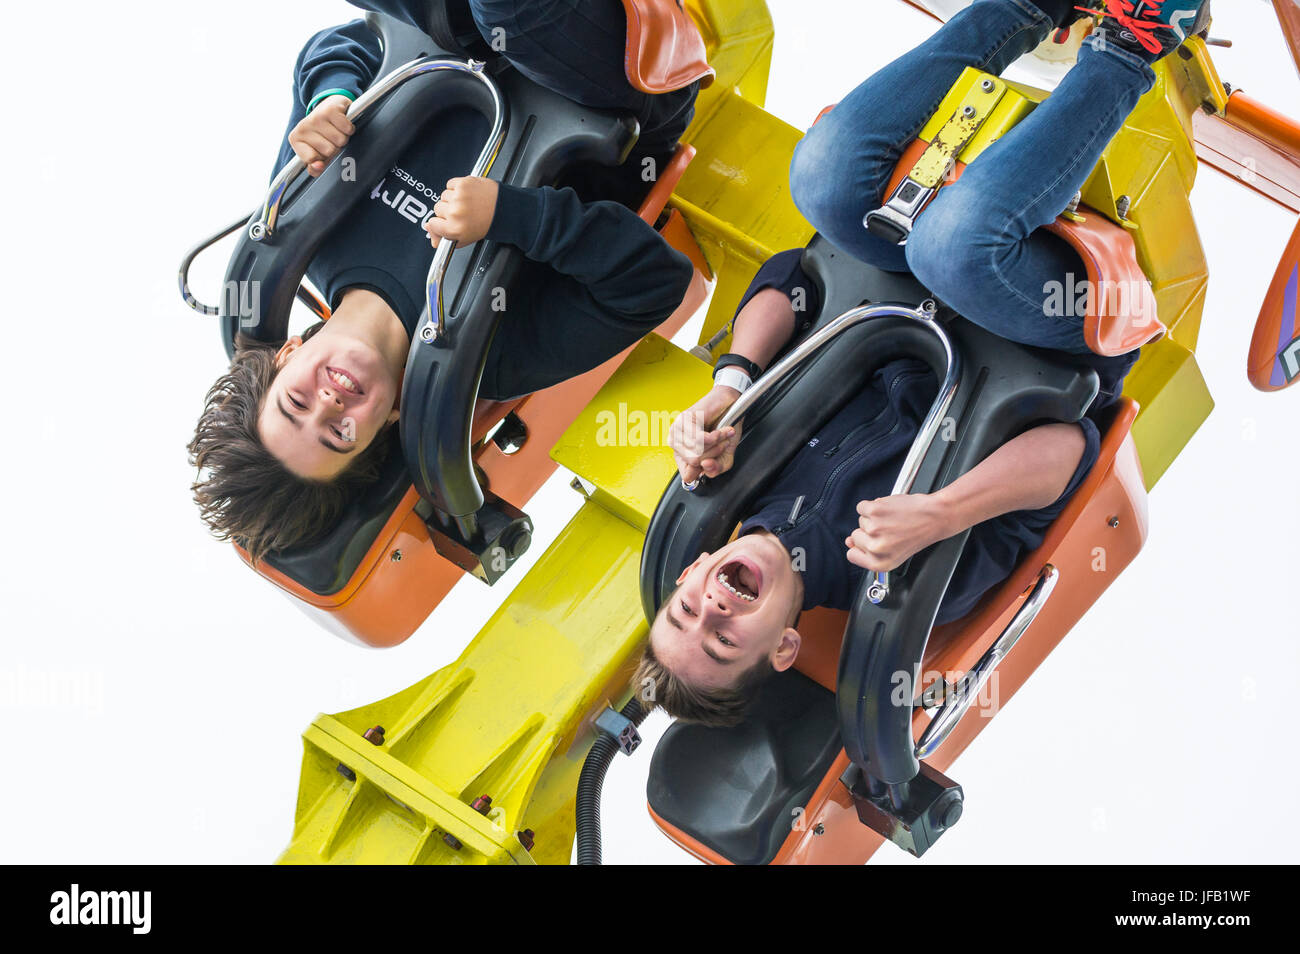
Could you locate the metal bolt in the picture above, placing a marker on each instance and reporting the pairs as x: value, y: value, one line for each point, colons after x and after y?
x: 987, y: 85
x: 1113, y: 522
x: 819, y: 829
x: 374, y: 735
x: 347, y: 773
x: 396, y: 556
x: 968, y: 112
x: 1122, y: 206
x: 452, y: 842
x: 481, y: 804
x: 525, y: 838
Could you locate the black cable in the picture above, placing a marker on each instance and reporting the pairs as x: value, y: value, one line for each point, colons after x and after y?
x: 587, y: 813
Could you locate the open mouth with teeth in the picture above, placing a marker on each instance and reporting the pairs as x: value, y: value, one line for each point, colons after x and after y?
x: 343, y: 381
x: 740, y: 580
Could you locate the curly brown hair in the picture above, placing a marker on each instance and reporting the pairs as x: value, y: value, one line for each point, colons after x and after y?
x: 244, y: 493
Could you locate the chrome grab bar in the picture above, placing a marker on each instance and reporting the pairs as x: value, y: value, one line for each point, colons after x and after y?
x: 810, y: 345
x: 304, y: 293
x: 265, y: 224
x: 878, y: 581
x: 878, y: 584
x: 433, y: 328
x: 960, y: 697
x: 183, y: 273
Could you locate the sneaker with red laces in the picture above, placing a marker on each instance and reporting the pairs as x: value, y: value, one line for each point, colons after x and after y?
x: 1150, y: 29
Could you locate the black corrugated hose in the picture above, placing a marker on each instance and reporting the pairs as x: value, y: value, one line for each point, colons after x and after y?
x: 589, y: 784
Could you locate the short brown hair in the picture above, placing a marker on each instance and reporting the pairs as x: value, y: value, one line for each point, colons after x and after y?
x: 244, y: 493
x: 655, y: 685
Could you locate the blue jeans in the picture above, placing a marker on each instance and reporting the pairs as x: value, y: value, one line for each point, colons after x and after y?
x: 979, y: 246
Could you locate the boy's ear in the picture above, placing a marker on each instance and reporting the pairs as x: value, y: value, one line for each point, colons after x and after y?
x: 286, y: 349
x: 787, y: 649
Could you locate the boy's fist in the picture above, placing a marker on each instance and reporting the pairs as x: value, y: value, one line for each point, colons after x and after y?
x: 892, y: 529
x: 322, y: 133
x: 465, y: 210
x: 697, y: 448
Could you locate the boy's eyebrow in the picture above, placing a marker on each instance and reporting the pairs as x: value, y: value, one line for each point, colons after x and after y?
x: 704, y: 644
x: 296, y: 423
x: 337, y: 450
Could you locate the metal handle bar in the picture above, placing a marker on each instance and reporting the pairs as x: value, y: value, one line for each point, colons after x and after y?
x: 968, y: 687
x: 305, y: 294
x: 810, y: 345
x: 264, y: 227
x: 878, y: 581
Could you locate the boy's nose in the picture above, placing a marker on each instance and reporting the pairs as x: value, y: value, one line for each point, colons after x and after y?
x: 719, y: 603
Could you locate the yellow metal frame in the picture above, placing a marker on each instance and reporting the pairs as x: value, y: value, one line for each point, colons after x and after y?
x: 512, y: 717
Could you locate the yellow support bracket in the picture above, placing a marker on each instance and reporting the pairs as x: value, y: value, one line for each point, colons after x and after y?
x: 978, y: 103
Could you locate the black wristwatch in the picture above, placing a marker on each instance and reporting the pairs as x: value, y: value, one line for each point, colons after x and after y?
x: 731, y: 360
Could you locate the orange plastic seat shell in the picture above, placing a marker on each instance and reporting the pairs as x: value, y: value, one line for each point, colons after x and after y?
x: 664, y: 51
x: 1107, y: 514
x: 1122, y: 314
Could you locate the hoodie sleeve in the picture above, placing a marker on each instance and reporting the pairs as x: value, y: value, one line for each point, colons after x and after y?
x: 343, y: 59
x: 596, y: 280
x: 618, y: 262
x: 995, y: 547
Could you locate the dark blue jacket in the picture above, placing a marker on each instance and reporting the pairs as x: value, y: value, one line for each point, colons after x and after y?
x: 596, y: 276
x: 857, y: 455
x: 576, y: 49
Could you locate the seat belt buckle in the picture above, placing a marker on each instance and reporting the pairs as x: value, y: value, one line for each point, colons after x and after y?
x: 894, y: 220
x: 937, y: 164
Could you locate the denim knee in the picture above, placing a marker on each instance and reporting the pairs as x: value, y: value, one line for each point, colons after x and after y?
x: 944, y: 251
x: 825, y: 183
x: 811, y: 181
x: 958, y: 257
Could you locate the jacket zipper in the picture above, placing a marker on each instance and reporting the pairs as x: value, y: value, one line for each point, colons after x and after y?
x: 821, y: 499
x: 892, y: 386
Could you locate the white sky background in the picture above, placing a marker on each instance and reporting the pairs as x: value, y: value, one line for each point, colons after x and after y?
x: 1158, y: 731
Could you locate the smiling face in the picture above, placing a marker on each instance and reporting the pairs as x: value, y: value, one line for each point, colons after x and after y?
x: 732, y: 610
x: 330, y: 398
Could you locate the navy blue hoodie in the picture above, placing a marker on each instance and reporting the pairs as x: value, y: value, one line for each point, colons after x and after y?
x: 596, y: 276
x: 812, y: 505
